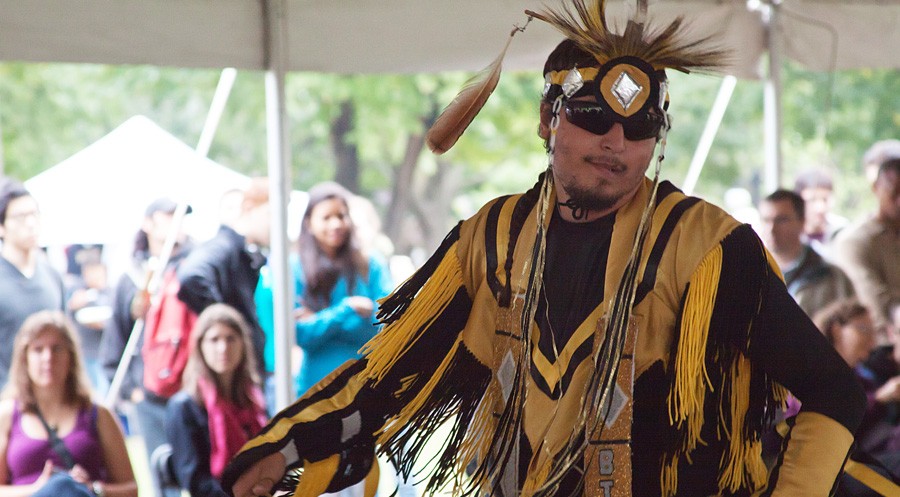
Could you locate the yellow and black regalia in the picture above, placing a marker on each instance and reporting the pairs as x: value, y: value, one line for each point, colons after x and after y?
x: 642, y: 353
x: 453, y: 351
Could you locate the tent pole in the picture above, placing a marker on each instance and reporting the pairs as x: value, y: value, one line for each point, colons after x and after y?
x: 772, y: 100
x: 279, y: 186
x: 726, y: 90
x: 220, y: 98
x: 2, y: 153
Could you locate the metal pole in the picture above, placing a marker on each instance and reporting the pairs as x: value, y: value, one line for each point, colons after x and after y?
x: 220, y: 98
x: 726, y: 90
x: 151, y: 287
x: 279, y: 188
x: 2, y: 153
x: 772, y: 101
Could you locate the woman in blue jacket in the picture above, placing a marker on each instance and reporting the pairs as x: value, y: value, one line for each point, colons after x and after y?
x: 337, y: 285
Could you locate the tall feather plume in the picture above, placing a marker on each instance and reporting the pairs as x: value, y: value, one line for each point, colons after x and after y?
x: 457, y: 116
x: 661, y: 47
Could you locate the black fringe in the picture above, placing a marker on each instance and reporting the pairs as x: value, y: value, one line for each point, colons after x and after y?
x: 456, y: 396
x: 745, y: 258
x: 394, y: 305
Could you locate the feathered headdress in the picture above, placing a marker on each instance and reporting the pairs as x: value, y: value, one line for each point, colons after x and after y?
x: 662, y: 48
x: 586, y: 25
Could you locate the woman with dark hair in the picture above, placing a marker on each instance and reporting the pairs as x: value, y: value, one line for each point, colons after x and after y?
x: 848, y: 326
x: 55, y: 441
x: 337, y: 285
x: 220, y: 405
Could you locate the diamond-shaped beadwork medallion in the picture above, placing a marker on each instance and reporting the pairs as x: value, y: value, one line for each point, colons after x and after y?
x: 626, y: 89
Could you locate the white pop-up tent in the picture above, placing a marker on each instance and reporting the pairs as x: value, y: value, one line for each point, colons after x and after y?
x: 99, y: 194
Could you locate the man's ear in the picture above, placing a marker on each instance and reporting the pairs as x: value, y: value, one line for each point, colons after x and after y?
x: 546, y: 117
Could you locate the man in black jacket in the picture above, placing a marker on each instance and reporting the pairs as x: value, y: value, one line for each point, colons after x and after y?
x: 226, y: 268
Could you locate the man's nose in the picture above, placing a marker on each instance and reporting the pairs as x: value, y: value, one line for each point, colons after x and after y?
x: 614, y: 139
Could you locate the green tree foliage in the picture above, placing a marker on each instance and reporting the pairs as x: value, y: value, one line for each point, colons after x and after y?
x: 369, y: 128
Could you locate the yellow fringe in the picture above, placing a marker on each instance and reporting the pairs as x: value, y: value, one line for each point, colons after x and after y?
x: 383, y: 350
x: 668, y: 477
x: 691, y: 378
x: 742, y: 465
x: 481, y: 432
x: 400, y: 420
x: 780, y: 394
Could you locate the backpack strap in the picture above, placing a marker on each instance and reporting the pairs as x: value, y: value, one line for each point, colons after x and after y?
x: 56, y: 443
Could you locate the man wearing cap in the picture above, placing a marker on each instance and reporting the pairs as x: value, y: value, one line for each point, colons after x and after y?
x: 225, y: 268
x: 601, y: 334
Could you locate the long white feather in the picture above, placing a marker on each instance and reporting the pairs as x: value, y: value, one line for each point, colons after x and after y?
x: 457, y: 116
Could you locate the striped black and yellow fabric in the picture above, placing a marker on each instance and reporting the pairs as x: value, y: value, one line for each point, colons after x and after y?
x: 462, y: 347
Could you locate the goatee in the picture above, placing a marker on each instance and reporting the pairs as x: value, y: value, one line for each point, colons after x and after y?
x: 588, y: 199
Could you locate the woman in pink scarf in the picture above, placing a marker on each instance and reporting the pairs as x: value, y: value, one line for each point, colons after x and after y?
x: 220, y: 405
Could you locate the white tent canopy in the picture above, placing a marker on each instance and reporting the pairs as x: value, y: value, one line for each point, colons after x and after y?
x: 352, y: 36
x: 99, y: 194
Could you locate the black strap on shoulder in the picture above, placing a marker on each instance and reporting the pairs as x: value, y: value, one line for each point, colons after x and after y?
x: 490, y: 245
x: 649, y: 278
x: 55, y: 442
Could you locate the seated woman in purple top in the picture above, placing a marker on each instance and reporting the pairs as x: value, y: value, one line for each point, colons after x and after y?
x: 47, y: 379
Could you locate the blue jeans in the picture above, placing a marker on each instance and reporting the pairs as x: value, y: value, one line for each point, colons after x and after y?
x: 151, y: 413
x: 62, y: 485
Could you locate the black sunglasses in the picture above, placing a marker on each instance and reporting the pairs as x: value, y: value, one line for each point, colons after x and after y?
x: 590, y: 116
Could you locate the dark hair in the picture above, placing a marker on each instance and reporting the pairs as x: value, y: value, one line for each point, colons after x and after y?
x: 838, y: 313
x: 10, y: 190
x: 567, y: 55
x: 245, y: 376
x: 795, y: 200
x: 890, y: 165
x: 881, y: 152
x: 20, y: 387
x: 813, y: 178
x: 320, y: 271
x: 141, y: 247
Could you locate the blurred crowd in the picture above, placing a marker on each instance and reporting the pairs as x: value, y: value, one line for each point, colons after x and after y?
x: 178, y: 350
